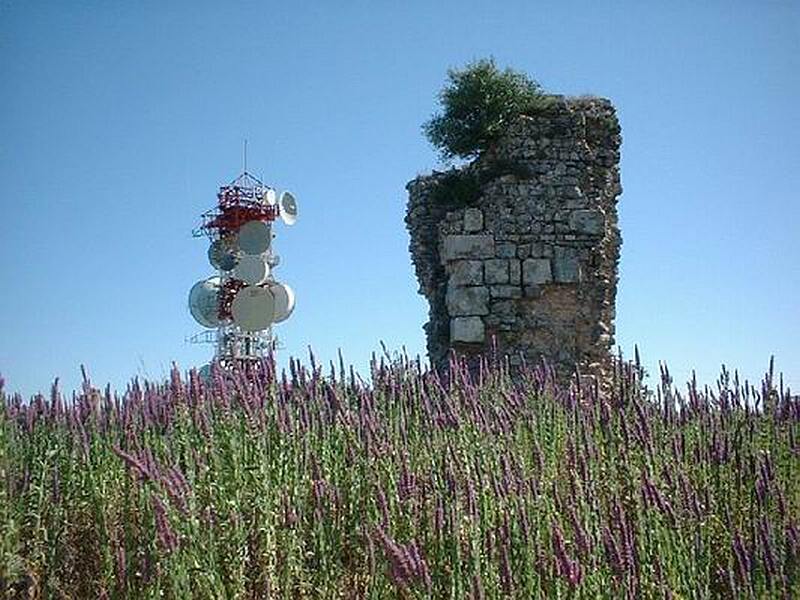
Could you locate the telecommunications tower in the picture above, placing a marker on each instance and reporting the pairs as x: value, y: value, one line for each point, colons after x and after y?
x: 241, y: 303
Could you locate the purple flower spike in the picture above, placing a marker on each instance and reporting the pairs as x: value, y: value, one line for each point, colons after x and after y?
x: 400, y: 561
x: 166, y: 536
x: 566, y: 567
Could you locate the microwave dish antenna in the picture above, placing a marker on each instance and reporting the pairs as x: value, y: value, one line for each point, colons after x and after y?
x: 284, y: 301
x: 288, y: 205
x: 252, y: 269
x: 254, y: 237
x: 222, y: 254
x: 204, y: 302
x: 242, y: 303
x: 253, y: 308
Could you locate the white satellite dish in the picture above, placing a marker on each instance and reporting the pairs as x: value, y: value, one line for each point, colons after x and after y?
x: 288, y: 208
x: 221, y: 255
x: 253, y: 308
x: 204, y: 302
x: 269, y: 197
x: 251, y: 269
x: 284, y: 301
x: 254, y: 237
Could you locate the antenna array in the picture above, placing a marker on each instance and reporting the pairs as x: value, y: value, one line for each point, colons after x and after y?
x: 243, y: 300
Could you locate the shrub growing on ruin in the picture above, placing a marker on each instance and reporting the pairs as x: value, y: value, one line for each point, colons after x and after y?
x: 478, y: 104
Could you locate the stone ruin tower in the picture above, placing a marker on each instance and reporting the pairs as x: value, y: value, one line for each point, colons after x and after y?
x: 530, y: 257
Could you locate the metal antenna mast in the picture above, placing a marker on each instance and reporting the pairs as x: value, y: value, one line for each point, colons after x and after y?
x: 240, y: 304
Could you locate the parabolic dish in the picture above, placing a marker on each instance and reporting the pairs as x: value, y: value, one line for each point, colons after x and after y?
x: 269, y: 197
x: 221, y: 255
x: 204, y: 302
x: 284, y: 301
x: 253, y: 308
x: 288, y: 208
x: 254, y: 237
x: 252, y: 269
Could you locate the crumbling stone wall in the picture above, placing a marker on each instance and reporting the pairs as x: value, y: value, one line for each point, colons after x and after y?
x: 533, y: 260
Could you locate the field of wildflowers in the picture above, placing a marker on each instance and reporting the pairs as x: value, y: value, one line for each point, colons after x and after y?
x: 317, y: 484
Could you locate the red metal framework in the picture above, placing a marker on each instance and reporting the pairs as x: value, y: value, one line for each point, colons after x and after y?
x: 226, y: 295
x: 242, y: 200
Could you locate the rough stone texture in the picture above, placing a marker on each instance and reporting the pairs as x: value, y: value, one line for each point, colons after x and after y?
x: 468, y: 330
x: 566, y: 265
x: 536, y: 271
x: 496, y: 270
x: 506, y: 291
x: 466, y: 272
x: 533, y: 263
x: 467, y: 246
x: 473, y: 220
x: 514, y: 272
x: 590, y: 222
x: 467, y: 300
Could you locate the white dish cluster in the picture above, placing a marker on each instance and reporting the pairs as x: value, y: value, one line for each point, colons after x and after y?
x: 245, y: 292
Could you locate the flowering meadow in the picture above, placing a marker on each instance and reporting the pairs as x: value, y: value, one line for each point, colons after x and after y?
x: 318, y: 484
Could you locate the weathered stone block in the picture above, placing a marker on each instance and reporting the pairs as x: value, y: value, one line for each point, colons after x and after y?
x: 467, y: 301
x: 589, y: 222
x: 503, y: 308
x: 566, y: 265
x: 538, y: 250
x: 514, y: 272
x: 506, y: 291
x: 467, y: 330
x: 473, y: 220
x: 536, y: 271
x: 496, y: 271
x: 467, y: 246
x: 466, y: 272
x: 506, y: 250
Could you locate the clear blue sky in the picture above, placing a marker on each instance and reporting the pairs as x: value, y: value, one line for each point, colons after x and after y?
x: 119, y: 120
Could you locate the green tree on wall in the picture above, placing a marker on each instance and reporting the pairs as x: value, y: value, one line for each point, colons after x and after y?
x: 478, y: 103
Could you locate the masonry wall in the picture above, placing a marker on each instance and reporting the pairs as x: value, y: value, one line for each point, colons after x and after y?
x: 533, y: 261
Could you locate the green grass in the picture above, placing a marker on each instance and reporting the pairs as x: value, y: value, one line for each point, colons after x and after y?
x: 321, y: 486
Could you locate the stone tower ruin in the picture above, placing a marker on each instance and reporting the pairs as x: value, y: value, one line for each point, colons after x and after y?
x: 522, y: 245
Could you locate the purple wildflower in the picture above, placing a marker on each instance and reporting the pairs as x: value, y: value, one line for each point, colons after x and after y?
x: 135, y: 463
x: 403, y: 569
x: 383, y: 505
x: 581, y: 539
x: 421, y: 566
x: 741, y: 559
x: 565, y: 566
x: 613, y: 555
x: 166, y: 536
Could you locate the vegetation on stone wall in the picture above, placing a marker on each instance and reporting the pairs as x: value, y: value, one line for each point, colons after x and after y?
x: 459, y: 188
x: 478, y: 103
